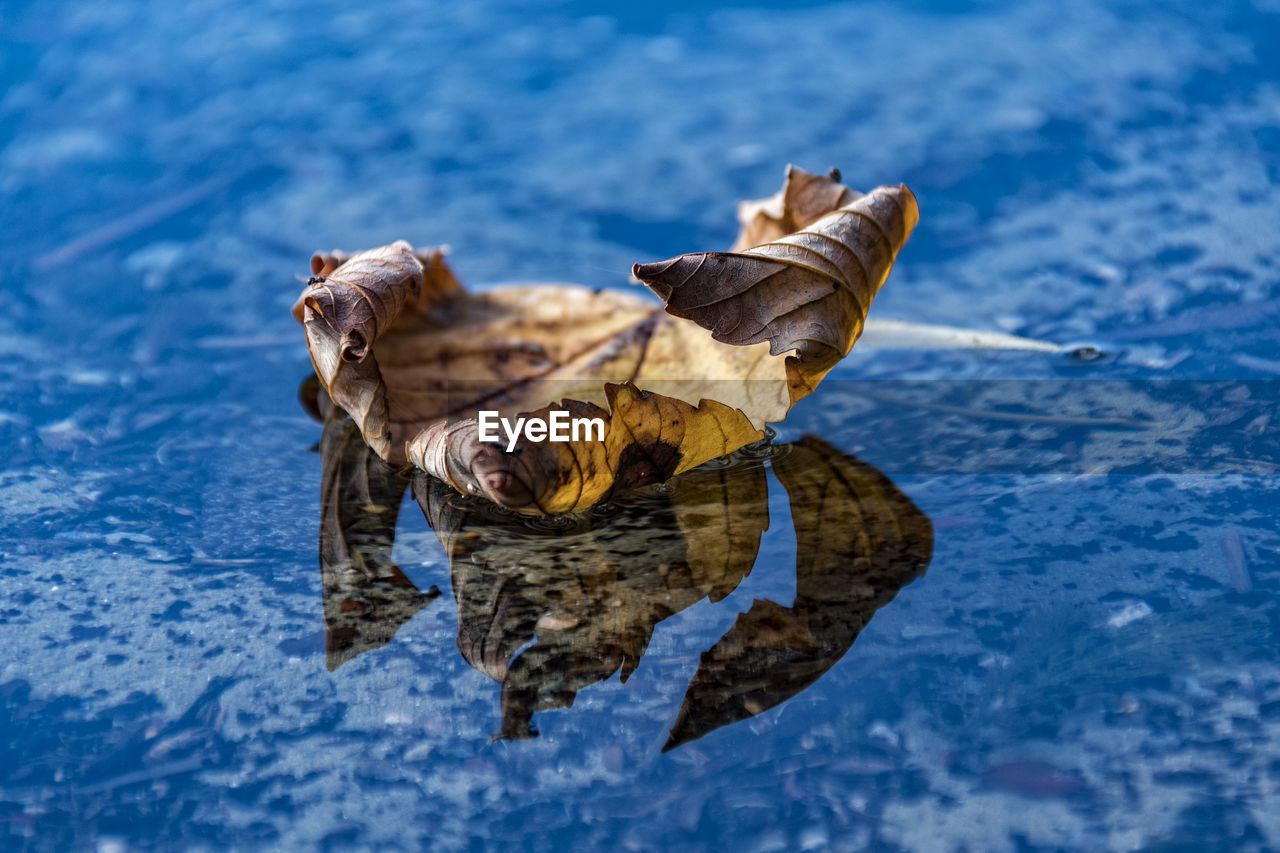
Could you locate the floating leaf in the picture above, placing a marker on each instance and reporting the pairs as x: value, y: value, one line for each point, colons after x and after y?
x: 415, y: 359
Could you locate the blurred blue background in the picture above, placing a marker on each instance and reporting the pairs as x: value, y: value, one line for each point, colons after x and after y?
x: 1090, y: 661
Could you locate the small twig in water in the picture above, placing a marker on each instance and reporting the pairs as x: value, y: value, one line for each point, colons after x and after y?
x: 151, y: 774
x: 126, y: 226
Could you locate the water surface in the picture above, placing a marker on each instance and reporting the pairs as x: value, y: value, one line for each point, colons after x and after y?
x: 1089, y: 658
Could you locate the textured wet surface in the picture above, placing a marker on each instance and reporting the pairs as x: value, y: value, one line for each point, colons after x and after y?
x: 1090, y: 659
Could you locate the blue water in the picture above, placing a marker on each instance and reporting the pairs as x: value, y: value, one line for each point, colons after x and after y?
x: 1089, y: 660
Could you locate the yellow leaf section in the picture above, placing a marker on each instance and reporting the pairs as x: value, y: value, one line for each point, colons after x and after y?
x: 685, y: 362
x: 649, y: 438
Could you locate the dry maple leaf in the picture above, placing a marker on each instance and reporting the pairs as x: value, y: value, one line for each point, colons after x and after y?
x: 414, y: 358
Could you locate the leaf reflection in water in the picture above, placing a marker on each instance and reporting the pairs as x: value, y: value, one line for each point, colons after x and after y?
x: 366, y: 596
x: 548, y: 606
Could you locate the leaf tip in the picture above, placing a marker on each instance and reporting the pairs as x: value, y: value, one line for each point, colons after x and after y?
x: 910, y: 207
x: 654, y: 276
